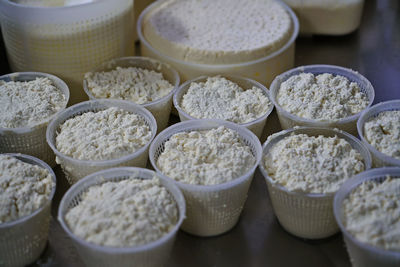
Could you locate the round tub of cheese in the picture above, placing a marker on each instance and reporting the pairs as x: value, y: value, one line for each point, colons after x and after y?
x: 141, y: 80
x: 303, y: 168
x: 101, y: 134
x: 213, y: 163
x: 379, y: 129
x: 321, y: 96
x: 28, y: 101
x: 231, y: 98
x: 367, y: 210
x: 198, y: 38
x: 27, y: 187
x: 123, y: 217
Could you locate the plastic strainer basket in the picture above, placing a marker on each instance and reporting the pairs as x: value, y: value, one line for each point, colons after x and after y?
x: 301, y: 214
x: 348, y: 124
x: 153, y: 254
x: 160, y: 108
x: 31, y: 140
x: 76, y: 169
x: 362, y: 254
x: 256, y: 126
x: 211, y: 209
x: 23, y: 240
x: 379, y: 159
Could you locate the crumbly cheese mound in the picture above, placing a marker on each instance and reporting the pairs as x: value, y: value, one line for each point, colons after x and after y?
x: 107, y: 134
x: 206, y: 157
x: 324, y: 97
x: 127, y: 213
x: 135, y: 84
x: 218, y: 32
x: 372, y: 213
x: 312, y: 164
x: 383, y: 133
x: 220, y: 98
x: 24, y: 188
x: 25, y: 104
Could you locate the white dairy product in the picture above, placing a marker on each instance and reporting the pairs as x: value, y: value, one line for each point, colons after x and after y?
x: 103, y: 135
x: 51, y: 3
x: 201, y: 31
x: 135, y: 84
x: 24, y: 104
x: 24, y: 188
x: 205, y: 157
x: 372, y: 213
x: 312, y: 164
x: 383, y: 133
x: 220, y: 98
x: 324, y: 97
x: 126, y: 213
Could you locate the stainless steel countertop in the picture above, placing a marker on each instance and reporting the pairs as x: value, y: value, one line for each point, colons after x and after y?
x: 258, y: 239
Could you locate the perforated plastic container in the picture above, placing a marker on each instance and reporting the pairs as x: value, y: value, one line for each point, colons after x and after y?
x: 211, y: 209
x: 76, y: 169
x: 160, y: 108
x: 379, y: 159
x: 152, y: 254
x: 262, y: 70
x: 31, y: 140
x: 67, y: 41
x: 23, y: 240
x: 301, y: 214
x: 256, y: 126
x: 348, y: 124
x: 362, y: 254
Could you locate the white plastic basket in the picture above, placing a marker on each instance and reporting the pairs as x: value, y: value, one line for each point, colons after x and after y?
x: 362, y: 254
x: 152, y: 254
x: 76, y: 169
x: 256, y: 126
x: 348, y: 124
x: 301, y: 214
x: 160, y: 108
x: 211, y: 209
x: 31, y: 140
x: 23, y: 240
x: 379, y: 159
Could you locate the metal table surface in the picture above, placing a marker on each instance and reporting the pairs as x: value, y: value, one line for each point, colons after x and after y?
x: 258, y: 239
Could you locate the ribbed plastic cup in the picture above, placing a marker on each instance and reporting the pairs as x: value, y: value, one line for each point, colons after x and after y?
x: 306, y: 215
x: 31, y: 139
x: 363, y: 254
x: 211, y: 209
x: 379, y: 159
x: 155, y: 253
x: 348, y: 124
x: 75, y: 169
x: 23, y: 240
x: 160, y: 108
x: 256, y: 126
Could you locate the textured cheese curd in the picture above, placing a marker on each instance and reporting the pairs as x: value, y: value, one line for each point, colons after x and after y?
x: 312, y: 164
x: 218, y: 32
x: 206, y: 157
x: 127, y: 213
x: 135, y: 84
x: 383, y: 133
x: 323, y: 97
x: 220, y: 98
x: 103, y: 135
x: 372, y: 213
x: 24, y: 104
x: 24, y: 188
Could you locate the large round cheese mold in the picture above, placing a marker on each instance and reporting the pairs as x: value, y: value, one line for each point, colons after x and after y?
x: 201, y: 32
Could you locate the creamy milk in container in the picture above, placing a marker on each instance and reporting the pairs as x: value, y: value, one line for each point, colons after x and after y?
x: 66, y: 37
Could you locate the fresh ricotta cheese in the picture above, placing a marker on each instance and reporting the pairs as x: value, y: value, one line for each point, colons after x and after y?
x: 312, y: 164
x: 24, y: 188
